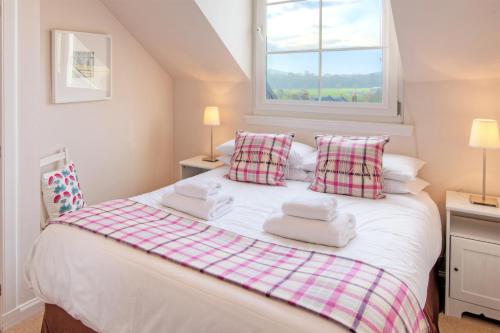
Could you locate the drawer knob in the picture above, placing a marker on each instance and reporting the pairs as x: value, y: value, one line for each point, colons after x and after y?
x: 455, y: 269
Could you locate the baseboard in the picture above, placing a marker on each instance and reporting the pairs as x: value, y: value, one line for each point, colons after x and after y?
x: 21, y: 313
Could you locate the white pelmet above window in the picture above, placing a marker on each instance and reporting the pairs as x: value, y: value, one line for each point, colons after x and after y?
x: 336, y: 57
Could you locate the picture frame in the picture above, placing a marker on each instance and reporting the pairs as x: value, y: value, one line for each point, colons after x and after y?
x: 81, y: 66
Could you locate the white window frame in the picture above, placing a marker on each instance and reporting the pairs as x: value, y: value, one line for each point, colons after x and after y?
x: 387, y: 111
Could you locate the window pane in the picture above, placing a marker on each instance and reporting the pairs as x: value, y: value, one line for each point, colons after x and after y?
x: 352, y: 76
x: 293, y: 26
x: 351, y: 23
x: 292, y: 76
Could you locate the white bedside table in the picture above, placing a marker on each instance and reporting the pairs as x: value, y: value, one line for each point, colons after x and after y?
x: 195, y: 165
x: 472, y: 257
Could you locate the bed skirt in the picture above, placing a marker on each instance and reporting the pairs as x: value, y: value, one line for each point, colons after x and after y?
x: 56, y: 320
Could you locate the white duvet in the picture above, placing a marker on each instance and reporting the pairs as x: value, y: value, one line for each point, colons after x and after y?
x: 114, y: 288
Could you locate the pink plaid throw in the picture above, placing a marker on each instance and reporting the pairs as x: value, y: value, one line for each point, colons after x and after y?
x: 260, y: 158
x: 350, y: 165
x: 359, y: 296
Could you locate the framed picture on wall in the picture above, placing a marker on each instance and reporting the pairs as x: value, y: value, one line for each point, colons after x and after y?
x: 81, y: 66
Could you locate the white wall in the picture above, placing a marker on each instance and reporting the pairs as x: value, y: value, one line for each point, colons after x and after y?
x: 191, y: 97
x: 448, y: 40
x: 443, y: 112
x: 123, y: 146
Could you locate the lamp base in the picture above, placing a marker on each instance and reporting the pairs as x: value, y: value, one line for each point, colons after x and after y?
x: 478, y: 200
x: 208, y: 159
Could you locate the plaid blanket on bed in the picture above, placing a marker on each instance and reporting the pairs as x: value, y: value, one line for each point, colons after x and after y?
x: 359, y: 296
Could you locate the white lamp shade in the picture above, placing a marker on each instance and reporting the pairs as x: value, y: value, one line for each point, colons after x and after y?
x: 211, y: 116
x: 484, y: 134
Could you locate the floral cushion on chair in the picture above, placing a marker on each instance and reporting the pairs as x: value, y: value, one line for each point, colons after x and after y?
x: 61, y: 191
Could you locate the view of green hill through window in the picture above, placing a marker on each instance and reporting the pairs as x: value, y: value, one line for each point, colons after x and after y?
x: 334, y: 88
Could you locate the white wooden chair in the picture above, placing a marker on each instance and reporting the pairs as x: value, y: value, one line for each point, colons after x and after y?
x: 57, y: 158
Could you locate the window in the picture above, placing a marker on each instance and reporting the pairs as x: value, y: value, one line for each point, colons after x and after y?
x: 326, y: 56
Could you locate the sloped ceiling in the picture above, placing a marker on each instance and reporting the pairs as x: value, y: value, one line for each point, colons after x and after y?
x: 448, y: 39
x: 180, y: 37
x: 235, y: 30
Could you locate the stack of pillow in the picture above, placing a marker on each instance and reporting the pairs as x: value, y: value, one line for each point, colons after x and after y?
x: 399, y: 171
x: 400, y: 174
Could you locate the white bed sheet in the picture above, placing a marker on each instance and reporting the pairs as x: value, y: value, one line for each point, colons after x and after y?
x: 114, y: 288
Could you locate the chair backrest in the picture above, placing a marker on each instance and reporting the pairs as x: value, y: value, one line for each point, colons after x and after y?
x: 56, y: 158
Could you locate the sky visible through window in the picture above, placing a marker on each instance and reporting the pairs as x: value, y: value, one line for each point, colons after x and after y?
x: 350, y: 50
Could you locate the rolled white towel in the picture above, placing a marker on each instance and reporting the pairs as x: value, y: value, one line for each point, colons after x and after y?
x: 214, y: 207
x: 335, y: 233
x: 200, y: 189
x: 311, y: 207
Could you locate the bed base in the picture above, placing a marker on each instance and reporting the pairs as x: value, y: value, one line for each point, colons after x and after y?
x: 56, y: 320
x: 432, y: 306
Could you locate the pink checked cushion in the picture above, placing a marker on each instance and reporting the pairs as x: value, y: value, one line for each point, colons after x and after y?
x: 350, y: 165
x: 61, y: 191
x: 260, y: 158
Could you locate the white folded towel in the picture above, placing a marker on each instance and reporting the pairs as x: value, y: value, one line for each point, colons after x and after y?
x: 335, y: 233
x: 214, y: 207
x: 200, y: 189
x: 311, y: 207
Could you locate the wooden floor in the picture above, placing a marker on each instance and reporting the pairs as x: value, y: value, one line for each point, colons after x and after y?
x: 446, y: 325
x: 29, y: 326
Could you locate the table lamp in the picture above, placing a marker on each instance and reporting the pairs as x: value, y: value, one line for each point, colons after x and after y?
x: 211, y: 118
x: 484, y: 134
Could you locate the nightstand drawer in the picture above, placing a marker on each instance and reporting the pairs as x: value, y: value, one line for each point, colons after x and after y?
x: 477, y: 228
x: 475, y: 272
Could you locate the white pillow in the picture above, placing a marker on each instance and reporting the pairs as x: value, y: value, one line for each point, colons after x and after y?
x: 299, y: 175
x: 297, y: 153
x: 225, y: 159
x: 227, y: 148
x: 309, y: 161
x: 401, y: 167
x: 414, y: 186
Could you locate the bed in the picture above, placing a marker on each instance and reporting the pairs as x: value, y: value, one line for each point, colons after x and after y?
x: 102, y: 285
